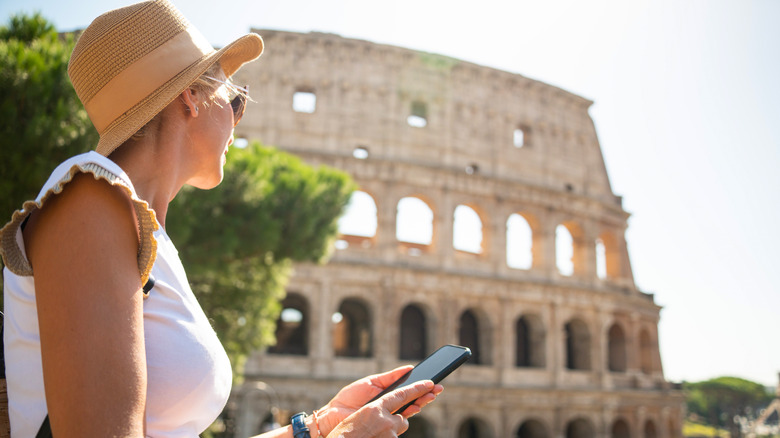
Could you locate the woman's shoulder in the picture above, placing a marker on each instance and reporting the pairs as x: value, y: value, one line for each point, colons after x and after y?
x: 85, y: 195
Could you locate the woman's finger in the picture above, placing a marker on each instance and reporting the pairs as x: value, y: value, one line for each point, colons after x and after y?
x: 395, y: 400
x: 388, y: 378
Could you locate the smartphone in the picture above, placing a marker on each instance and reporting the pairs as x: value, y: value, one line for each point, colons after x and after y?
x: 435, y: 367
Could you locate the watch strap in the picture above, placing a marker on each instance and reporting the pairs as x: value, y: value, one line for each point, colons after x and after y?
x: 299, y: 429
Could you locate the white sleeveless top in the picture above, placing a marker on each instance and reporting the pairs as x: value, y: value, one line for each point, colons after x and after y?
x: 188, y: 371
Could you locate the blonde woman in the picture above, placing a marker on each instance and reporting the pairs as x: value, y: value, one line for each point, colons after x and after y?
x: 93, y: 348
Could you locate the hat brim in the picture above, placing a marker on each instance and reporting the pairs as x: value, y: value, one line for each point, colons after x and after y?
x: 231, y: 57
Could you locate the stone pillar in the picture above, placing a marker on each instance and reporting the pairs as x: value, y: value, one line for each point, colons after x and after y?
x: 587, y: 245
x: 546, y: 241
x: 387, y: 207
x: 443, y: 223
x: 321, y: 342
x: 496, y: 251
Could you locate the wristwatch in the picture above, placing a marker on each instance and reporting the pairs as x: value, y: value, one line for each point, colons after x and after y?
x: 299, y: 429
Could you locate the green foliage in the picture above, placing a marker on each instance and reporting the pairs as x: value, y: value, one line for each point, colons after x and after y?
x: 719, y: 400
x: 43, y: 122
x: 27, y: 28
x: 238, y: 241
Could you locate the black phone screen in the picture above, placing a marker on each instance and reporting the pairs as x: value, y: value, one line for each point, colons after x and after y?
x: 435, y: 367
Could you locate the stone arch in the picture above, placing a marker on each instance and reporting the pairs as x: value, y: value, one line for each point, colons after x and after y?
x: 353, y: 329
x: 474, y: 332
x: 569, y: 255
x: 532, y: 428
x: 530, y: 341
x: 414, y: 228
x: 521, y: 229
x: 616, y: 349
x: 609, y: 267
x: 419, y: 427
x: 292, y: 326
x: 413, y: 338
x: 646, y: 351
x: 649, y: 429
x: 468, y: 230
x: 579, y: 428
x: 577, y: 339
x: 359, y: 224
x: 620, y: 429
x: 474, y: 427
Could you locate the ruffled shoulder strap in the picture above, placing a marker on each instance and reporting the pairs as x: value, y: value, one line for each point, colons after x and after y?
x: 12, y: 245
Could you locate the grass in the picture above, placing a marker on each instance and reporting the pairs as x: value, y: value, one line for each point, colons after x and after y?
x: 691, y: 429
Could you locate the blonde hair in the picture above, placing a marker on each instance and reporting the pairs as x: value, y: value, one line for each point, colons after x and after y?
x: 204, y: 85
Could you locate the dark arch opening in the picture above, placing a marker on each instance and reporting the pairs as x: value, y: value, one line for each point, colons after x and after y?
x: 292, y: 327
x: 352, y: 335
x: 413, y: 337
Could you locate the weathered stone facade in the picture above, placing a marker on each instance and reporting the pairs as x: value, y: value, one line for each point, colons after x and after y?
x: 559, y: 355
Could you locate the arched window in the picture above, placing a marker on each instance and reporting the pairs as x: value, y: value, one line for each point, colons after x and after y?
x: 414, y: 222
x: 304, y: 101
x: 529, y: 339
x: 359, y: 218
x: 292, y: 327
x: 519, y: 242
x: 645, y: 352
x: 620, y: 429
x: 601, y: 259
x: 469, y: 335
x: 617, y: 348
x: 650, y: 429
x: 419, y: 427
x: 577, y: 345
x: 579, y: 428
x: 467, y: 230
x: 352, y: 335
x: 532, y: 429
x: 413, y: 334
x: 564, y: 250
x: 607, y: 256
x: 474, y: 428
x: 418, y: 116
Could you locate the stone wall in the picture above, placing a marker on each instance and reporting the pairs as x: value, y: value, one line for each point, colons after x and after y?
x: 570, y: 354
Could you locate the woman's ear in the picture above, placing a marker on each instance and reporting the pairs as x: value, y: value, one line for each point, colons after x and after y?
x: 190, y: 100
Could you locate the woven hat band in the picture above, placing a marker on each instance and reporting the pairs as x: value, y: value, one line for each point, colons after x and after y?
x: 146, y: 75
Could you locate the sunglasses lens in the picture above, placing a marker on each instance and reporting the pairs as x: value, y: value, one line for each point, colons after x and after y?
x: 239, y: 106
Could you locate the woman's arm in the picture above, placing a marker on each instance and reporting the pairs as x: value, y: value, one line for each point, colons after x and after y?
x: 82, y: 246
x: 347, y: 415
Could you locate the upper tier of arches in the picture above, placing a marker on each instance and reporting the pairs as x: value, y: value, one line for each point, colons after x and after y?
x: 416, y: 228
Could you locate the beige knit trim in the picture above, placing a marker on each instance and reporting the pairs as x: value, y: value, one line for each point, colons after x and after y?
x: 147, y: 222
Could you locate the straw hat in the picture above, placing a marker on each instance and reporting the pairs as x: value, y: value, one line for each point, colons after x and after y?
x: 131, y: 62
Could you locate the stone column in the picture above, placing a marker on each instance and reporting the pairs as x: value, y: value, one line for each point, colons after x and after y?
x: 546, y: 241
x: 321, y: 342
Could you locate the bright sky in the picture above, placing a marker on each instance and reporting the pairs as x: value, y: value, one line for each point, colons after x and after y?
x: 687, y: 108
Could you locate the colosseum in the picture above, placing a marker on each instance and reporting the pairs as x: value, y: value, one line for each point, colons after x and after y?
x: 485, y: 218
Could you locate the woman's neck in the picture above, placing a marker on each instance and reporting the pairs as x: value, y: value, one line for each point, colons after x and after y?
x: 157, y: 167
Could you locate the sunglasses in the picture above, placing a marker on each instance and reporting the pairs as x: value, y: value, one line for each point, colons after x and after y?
x: 238, y: 103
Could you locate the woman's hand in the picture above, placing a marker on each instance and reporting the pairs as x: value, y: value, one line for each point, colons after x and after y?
x: 347, y: 415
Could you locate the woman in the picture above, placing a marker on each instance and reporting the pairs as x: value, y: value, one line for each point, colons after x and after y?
x: 84, y: 344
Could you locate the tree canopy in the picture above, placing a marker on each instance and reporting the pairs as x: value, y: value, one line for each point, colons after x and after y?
x: 718, y: 401
x: 43, y: 121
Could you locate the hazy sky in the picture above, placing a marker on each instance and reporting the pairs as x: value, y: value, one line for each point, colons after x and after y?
x: 687, y: 108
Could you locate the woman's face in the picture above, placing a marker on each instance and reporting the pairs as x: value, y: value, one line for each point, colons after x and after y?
x: 211, y: 135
